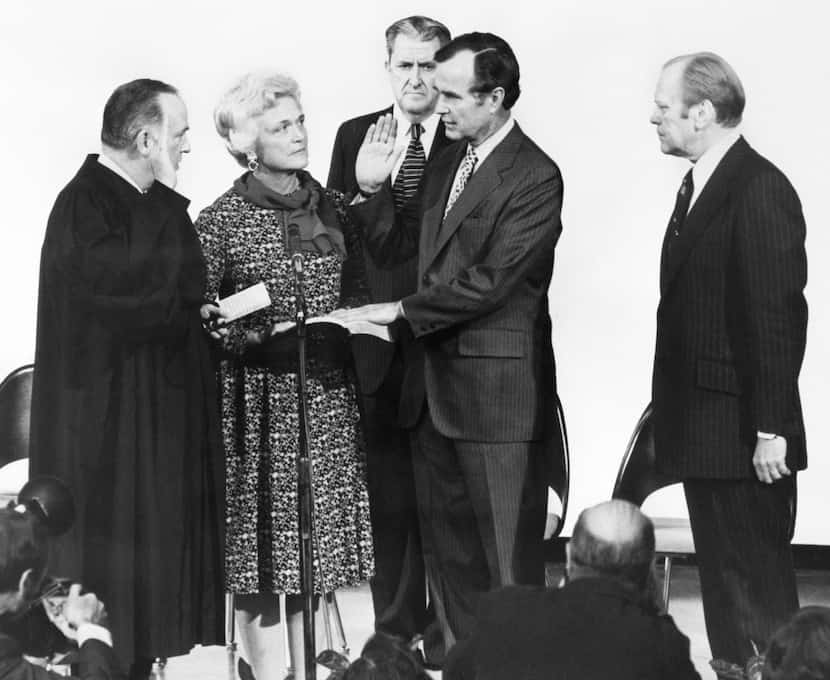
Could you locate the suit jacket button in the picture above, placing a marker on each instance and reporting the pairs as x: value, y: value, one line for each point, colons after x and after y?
x: 425, y: 279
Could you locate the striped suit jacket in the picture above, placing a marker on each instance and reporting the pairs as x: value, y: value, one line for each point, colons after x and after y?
x: 731, y: 323
x: 483, y: 357
x: 387, y: 284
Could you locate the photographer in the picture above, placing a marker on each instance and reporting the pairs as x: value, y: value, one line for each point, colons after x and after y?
x: 23, y: 560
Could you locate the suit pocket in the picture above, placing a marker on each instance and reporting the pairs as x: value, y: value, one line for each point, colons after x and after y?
x: 717, y: 376
x: 492, y: 342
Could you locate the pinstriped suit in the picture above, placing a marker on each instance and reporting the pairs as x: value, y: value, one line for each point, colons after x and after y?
x: 731, y: 329
x: 482, y: 365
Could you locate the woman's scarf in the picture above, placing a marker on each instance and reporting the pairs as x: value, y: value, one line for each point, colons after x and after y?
x: 307, y: 207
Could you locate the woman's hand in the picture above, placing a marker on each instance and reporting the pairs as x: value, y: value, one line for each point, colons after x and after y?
x: 282, y: 326
x: 258, y: 337
x: 377, y: 155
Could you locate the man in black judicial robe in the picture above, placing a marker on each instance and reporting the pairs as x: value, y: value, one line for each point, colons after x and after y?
x: 123, y: 407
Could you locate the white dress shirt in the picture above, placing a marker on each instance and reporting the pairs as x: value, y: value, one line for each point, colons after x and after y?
x: 706, y: 164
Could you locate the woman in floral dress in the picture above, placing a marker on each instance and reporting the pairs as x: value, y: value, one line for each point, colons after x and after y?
x: 245, y: 239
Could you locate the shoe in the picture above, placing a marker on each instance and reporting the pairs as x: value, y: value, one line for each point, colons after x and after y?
x: 243, y: 669
x: 427, y: 663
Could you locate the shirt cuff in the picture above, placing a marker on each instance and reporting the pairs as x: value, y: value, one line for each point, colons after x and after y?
x: 401, y: 310
x: 766, y: 435
x: 92, y: 631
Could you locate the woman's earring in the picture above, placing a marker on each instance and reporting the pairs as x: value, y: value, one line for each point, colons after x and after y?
x: 253, y: 164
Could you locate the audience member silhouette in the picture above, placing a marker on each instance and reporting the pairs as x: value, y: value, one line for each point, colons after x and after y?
x: 800, y: 649
x: 603, y: 622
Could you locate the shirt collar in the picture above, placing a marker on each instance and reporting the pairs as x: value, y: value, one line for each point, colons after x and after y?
x: 430, y: 124
x: 110, y: 164
x: 708, y: 162
x: 486, y: 147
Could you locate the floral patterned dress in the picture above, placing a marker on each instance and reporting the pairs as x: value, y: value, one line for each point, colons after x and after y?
x: 244, y: 244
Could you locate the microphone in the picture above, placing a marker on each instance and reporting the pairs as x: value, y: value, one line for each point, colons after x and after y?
x: 294, y: 247
x: 295, y: 250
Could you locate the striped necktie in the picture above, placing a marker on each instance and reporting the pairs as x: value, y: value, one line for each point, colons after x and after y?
x: 412, y: 169
x: 461, y: 179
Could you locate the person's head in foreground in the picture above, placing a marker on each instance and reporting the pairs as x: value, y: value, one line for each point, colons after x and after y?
x: 614, y: 540
x: 386, y: 657
x: 800, y: 649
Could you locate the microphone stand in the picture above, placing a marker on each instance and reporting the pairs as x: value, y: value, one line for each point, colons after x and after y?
x: 305, y: 494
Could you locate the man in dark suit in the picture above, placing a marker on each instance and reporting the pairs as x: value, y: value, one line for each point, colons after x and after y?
x: 731, y: 328
x: 603, y: 623
x: 399, y: 586
x: 479, y: 388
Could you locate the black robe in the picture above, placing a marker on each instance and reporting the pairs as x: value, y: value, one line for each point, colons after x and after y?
x: 124, y: 409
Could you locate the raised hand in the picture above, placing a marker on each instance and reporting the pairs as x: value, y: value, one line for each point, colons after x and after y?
x: 160, y: 159
x: 377, y: 155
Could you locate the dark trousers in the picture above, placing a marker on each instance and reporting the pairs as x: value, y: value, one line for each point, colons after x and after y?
x: 741, y: 530
x: 481, y: 507
x: 399, y: 593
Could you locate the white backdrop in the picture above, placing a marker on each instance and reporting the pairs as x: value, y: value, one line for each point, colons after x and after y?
x: 588, y: 72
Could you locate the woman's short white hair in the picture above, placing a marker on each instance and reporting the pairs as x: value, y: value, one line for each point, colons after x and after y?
x: 246, y: 99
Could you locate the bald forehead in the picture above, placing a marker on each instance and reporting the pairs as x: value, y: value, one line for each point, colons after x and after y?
x: 614, y: 522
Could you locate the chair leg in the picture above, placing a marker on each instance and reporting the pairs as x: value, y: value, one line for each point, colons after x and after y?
x: 338, y: 624
x: 289, y: 659
x: 230, y: 623
x: 666, y: 581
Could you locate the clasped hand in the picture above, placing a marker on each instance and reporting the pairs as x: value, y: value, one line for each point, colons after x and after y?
x: 377, y: 155
x: 70, y: 612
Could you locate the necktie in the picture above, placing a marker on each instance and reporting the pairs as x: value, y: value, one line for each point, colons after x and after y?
x: 681, y: 206
x: 412, y: 169
x: 467, y: 167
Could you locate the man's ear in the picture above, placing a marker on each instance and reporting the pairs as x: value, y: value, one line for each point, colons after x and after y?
x: 495, y: 98
x: 145, y: 142
x: 704, y: 114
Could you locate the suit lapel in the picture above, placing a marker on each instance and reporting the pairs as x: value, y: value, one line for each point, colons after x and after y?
x: 482, y: 183
x: 435, y: 198
x: 700, y: 216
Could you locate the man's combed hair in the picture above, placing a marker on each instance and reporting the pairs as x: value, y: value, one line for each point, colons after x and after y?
x: 495, y: 65
x: 708, y: 76
x: 132, y: 106
x: 23, y: 545
x: 417, y: 26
